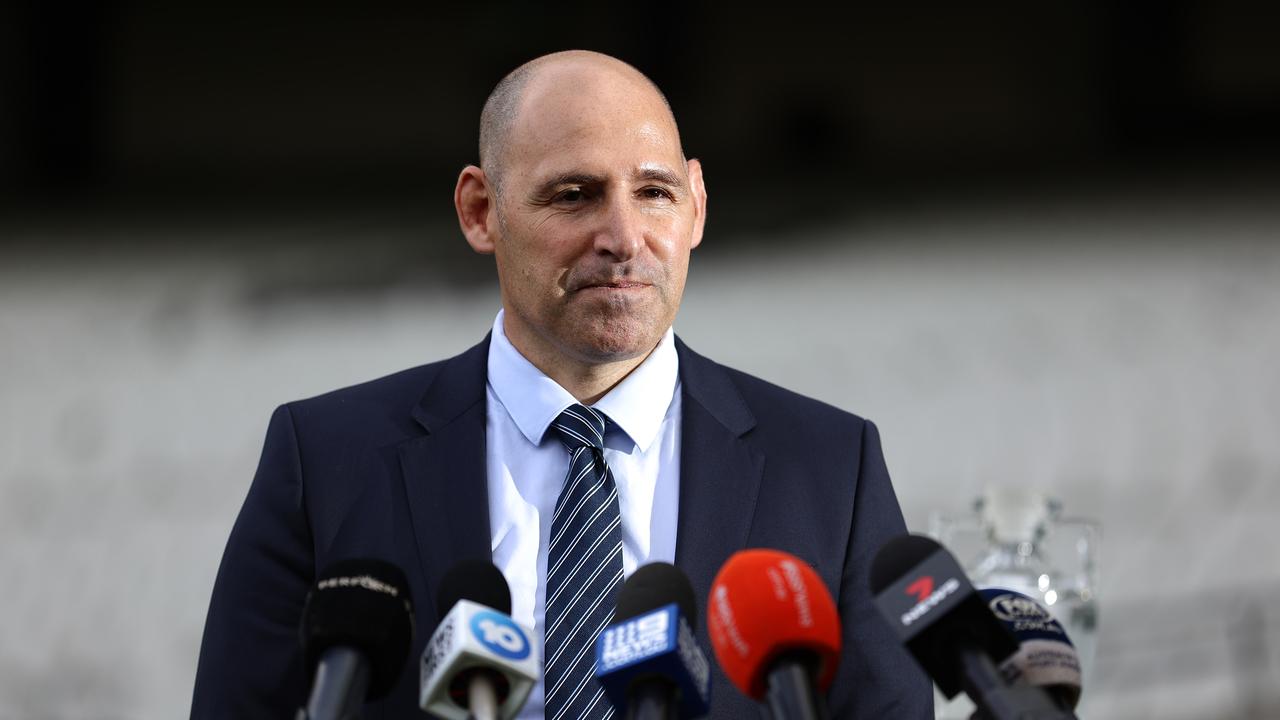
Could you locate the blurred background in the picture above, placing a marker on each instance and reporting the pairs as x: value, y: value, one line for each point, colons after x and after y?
x: 1037, y: 245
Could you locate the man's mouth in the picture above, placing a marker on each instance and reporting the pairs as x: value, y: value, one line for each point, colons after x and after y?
x: 614, y: 285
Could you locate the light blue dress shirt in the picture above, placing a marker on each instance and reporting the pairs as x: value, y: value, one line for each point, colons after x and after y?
x: 526, y: 468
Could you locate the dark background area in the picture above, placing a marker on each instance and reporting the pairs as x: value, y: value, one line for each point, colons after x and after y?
x: 800, y: 111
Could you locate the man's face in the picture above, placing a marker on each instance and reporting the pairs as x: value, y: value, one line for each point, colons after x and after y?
x: 597, y: 214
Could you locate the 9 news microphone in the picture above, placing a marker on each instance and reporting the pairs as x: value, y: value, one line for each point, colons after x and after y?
x: 479, y: 663
x: 775, y: 631
x: 932, y: 607
x: 357, y: 625
x: 1046, y: 657
x: 648, y: 660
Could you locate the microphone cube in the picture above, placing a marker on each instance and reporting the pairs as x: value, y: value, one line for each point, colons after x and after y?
x: 660, y: 644
x: 472, y: 636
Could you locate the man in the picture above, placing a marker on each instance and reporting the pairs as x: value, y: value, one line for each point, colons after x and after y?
x: 578, y: 441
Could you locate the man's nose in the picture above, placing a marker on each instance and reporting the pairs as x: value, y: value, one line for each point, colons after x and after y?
x: 621, y: 231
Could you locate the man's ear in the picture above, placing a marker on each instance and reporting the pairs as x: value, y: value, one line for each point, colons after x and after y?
x: 477, y: 216
x: 699, y: 191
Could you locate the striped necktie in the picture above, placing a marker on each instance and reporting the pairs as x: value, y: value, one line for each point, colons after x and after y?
x: 584, y: 569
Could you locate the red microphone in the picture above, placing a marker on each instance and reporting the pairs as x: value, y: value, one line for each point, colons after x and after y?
x: 775, y: 631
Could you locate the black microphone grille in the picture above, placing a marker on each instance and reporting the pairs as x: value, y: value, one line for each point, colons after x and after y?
x: 479, y: 581
x: 898, y: 556
x: 363, y: 604
x: 652, y: 586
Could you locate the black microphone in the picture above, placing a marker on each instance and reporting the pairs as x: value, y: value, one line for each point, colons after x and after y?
x: 648, y: 660
x: 357, y: 626
x: 925, y: 596
x: 479, y: 663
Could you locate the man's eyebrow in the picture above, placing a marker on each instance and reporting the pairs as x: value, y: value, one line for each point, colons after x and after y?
x: 570, y: 178
x: 662, y: 175
x: 574, y: 177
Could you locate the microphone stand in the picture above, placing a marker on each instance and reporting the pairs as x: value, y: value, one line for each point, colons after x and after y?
x: 651, y: 698
x: 482, y: 698
x: 997, y: 700
x: 792, y: 692
x: 341, y: 683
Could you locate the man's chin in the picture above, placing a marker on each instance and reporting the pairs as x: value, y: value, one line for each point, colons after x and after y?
x: 615, y: 341
x: 602, y: 352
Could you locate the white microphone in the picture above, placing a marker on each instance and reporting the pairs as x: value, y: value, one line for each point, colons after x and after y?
x: 479, y: 662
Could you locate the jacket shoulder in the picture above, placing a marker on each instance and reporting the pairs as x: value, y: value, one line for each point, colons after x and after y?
x: 372, y: 413
x: 402, y: 388
x: 777, y: 408
x: 744, y: 402
x: 755, y: 387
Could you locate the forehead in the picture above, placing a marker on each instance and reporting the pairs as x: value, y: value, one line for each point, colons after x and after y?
x: 601, y: 122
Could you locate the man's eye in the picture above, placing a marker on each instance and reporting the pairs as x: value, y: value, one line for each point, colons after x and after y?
x: 655, y: 193
x: 571, y: 195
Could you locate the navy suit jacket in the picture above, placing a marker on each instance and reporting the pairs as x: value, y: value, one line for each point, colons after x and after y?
x: 395, y: 469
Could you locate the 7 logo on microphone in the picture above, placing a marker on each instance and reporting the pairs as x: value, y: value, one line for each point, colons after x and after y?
x: 931, y: 589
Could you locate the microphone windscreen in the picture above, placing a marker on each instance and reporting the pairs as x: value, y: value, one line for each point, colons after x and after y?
x: 925, y: 596
x: 897, y: 557
x: 362, y: 604
x: 652, y: 586
x: 1046, y: 658
x: 767, y: 603
x: 479, y: 581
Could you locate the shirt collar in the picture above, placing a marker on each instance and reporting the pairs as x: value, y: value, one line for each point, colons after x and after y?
x: 637, y: 405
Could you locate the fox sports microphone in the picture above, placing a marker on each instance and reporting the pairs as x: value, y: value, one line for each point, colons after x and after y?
x: 1046, y: 657
x: 479, y: 663
x: 357, y: 625
x: 775, y: 631
x: 932, y: 607
x: 648, y: 660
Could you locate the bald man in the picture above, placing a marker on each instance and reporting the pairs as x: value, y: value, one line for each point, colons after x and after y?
x: 578, y: 441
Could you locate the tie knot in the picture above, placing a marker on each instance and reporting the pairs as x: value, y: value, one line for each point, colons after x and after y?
x: 580, y: 426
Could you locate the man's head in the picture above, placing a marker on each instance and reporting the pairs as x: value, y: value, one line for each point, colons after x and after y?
x: 586, y: 201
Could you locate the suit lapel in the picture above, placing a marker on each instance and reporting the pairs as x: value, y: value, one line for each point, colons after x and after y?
x: 719, y: 472
x: 444, y: 471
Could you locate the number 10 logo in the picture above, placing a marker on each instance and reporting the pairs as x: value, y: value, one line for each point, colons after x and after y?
x: 500, y: 635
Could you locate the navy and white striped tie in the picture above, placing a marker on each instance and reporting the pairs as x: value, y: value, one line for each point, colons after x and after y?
x: 584, y: 570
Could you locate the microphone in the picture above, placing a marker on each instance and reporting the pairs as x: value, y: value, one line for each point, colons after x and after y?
x: 479, y: 662
x: 1046, y: 657
x: 931, y: 605
x: 357, y: 625
x: 648, y: 660
x: 775, y: 631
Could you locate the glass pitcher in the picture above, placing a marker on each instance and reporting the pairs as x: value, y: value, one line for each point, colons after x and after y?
x: 1016, y: 538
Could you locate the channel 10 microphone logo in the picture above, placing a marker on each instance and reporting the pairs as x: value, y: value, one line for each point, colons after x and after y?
x: 500, y: 635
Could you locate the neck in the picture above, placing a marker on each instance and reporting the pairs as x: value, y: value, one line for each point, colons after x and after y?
x: 589, y: 383
x: 587, y: 380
